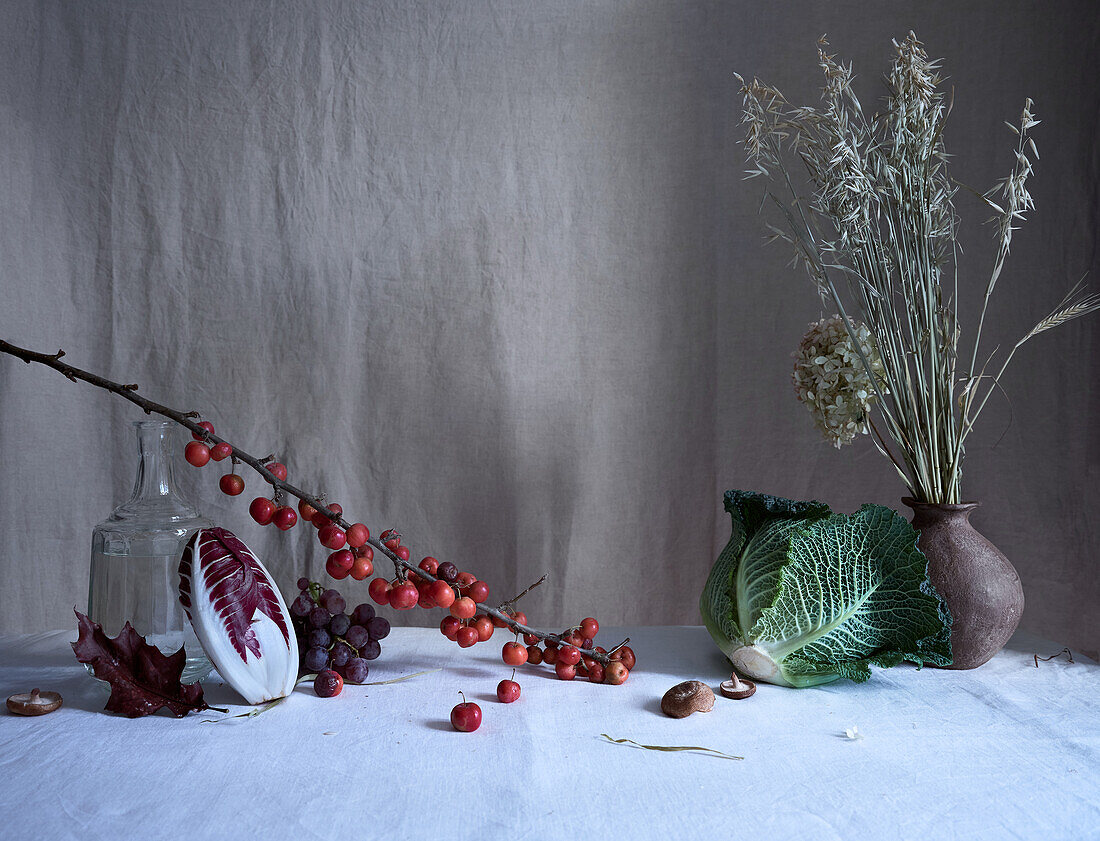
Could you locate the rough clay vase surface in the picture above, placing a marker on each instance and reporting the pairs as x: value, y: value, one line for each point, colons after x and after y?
x: 981, y: 588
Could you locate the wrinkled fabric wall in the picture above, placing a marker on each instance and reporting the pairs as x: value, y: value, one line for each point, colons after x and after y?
x: 488, y: 272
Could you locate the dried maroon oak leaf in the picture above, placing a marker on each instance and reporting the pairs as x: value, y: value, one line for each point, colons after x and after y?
x: 142, y: 678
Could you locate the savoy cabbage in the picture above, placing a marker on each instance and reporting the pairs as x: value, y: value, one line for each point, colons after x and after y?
x: 802, y: 596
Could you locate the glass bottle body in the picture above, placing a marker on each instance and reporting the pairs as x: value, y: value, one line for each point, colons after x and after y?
x: 136, y: 554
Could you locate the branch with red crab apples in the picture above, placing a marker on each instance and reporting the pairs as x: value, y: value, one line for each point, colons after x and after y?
x: 569, y: 651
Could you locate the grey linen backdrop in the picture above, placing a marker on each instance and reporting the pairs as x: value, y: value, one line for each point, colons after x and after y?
x: 489, y: 273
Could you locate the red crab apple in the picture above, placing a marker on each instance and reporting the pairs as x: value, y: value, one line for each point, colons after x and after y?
x: 357, y: 535
x: 566, y: 671
x: 466, y: 716
x: 442, y: 593
x: 450, y: 627
x: 362, y: 568
x: 514, y: 654
x: 379, y: 591
x: 221, y: 451
x: 464, y: 608
x: 616, y: 673
x: 626, y: 655
x: 196, y: 453
x: 404, y: 596
x: 231, y: 484
x: 484, y: 627
x: 284, y: 518
x: 508, y: 691
x: 262, y: 509
x: 331, y: 536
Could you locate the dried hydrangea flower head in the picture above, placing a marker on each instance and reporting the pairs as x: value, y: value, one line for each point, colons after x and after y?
x: 831, y: 380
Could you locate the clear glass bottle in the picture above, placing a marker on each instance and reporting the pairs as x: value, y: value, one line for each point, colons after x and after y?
x: 136, y: 554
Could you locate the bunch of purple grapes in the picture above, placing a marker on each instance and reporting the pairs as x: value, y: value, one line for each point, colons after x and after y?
x: 328, y: 638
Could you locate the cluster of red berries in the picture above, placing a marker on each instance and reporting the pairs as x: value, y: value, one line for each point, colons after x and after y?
x: 459, y: 592
x: 566, y: 657
x: 351, y: 555
x: 357, y: 560
x: 199, y: 452
x: 268, y: 512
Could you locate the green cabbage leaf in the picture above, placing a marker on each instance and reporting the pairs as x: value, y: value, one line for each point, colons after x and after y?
x: 802, y: 596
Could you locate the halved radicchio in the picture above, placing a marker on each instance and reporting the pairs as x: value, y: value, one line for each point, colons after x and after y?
x: 238, y: 615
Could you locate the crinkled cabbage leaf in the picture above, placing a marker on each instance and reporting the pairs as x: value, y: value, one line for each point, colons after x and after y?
x: 802, y: 596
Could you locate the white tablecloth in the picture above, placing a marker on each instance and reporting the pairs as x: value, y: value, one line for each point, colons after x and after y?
x: 1006, y: 751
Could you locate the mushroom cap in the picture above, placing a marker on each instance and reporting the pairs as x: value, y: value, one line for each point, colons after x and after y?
x: 686, y: 698
x: 34, y: 702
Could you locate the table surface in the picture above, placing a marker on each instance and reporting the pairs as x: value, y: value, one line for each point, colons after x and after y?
x: 1006, y: 751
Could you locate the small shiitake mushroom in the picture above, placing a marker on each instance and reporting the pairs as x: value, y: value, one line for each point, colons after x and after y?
x: 34, y: 702
x: 686, y: 698
x: 737, y: 688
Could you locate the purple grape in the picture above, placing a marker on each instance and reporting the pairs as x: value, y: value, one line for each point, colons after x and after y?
x: 379, y: 628
x: 315, y: 660
x: 341, y: 653
x: 447, y: 571
x: 328, y: 683
x: 370, y: 650
x: 357, y: 636
x: 301, y: 607
x: 339, y: 624
x: 356, y: 670
x: 333, y: 602
x: 318, y: 617
x: 318, y: 638
x: 363, y: 614
x: 303, y: 584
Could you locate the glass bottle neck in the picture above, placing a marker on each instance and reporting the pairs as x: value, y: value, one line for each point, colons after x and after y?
x: 156, y: 499
x: 154, y: 476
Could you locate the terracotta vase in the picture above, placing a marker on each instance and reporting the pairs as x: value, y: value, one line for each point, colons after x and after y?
x: 980, y: 586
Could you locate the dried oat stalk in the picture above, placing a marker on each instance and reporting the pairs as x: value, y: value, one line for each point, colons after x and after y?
x: 870, y: 215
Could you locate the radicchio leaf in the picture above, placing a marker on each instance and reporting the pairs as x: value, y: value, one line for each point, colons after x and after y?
x: 143, y: 679
x: 238, y: 615
x: 238, y: 586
